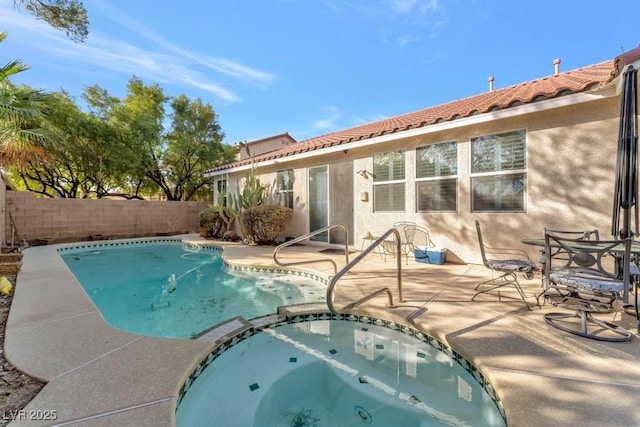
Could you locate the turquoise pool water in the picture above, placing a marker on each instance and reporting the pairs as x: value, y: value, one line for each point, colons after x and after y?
x: 171, y: 290
x: 337, y: 373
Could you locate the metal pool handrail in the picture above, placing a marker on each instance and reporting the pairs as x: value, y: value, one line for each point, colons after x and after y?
x: 305, y: 237
x: 359, y: 258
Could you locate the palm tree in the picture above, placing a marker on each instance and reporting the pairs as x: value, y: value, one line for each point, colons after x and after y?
x: 21, y: 107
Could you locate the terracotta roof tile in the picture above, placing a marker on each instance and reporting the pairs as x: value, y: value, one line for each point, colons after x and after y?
x: 574, y: 81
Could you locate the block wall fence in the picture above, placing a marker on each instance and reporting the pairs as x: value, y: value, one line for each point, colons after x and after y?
x: 66, y: 220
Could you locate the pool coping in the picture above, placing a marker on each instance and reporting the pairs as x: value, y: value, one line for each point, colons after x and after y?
x: 98, y: 375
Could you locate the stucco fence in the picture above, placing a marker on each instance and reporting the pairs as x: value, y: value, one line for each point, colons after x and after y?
x: 45, y: 220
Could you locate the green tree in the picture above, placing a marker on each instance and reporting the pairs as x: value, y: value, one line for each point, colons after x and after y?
x: 60, y: 174
x: 69, y: 16
x: 135, y: 123
x: 20, y: 109
x: 139, y: 119
x: 86, y: 161
x: 121, y: 147
x: 171, y: 160
x: 192, y: 145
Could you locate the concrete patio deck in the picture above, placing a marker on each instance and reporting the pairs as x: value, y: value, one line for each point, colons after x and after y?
x: 100, y: 376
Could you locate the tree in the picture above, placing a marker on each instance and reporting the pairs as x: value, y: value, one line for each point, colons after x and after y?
x: 69, y: 16
x: 175, y: 159
x: 20, y: 108
x: 83, y: 162
x: 193, y: 144
x: 139, y: 119
x: 120, y: 147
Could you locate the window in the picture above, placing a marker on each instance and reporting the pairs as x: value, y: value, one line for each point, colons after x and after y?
x: 221, y: 196
x: 498, y: 172
x: 388, y: 182
x: 284, y: 188
x: 436, y: 177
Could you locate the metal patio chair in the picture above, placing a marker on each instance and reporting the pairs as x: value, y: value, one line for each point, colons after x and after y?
x: 412, y: 235
x: 504, y: 264
x: 557, y: 252
x: 588, y: 278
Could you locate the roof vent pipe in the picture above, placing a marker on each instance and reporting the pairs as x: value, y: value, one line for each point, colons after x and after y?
x: 491, y: 79
x: 556, y: 66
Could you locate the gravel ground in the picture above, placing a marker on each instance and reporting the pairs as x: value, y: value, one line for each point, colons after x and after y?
x: 16, y: 388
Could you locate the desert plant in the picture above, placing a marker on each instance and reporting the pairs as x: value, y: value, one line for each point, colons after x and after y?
x: 264, y: 223
x: 227, y: 215
x: 252, y: 194
x: 210, y: 222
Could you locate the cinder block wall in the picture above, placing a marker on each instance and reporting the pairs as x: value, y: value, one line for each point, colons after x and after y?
x: 66, y: 220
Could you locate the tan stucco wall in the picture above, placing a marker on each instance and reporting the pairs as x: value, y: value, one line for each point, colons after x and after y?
x: 570, y: 174
x: 299, y: 222
x: 77, y: 219
x: 264, y: 146
x: 571, y: 154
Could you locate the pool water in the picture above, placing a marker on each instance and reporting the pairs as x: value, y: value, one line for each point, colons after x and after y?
x: 336, y: 373
x: 167, y: 290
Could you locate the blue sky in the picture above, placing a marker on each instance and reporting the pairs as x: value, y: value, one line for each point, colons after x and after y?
x: 310, y: 67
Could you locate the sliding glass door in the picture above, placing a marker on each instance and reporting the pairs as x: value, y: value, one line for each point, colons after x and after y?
x: 319, y: 201
x: 331, y: 200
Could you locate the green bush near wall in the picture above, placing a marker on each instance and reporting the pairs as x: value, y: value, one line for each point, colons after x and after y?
x: 209, y: 220
x: 264, y: 223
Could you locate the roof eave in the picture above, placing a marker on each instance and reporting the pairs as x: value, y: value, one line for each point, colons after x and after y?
x: 532, y: 107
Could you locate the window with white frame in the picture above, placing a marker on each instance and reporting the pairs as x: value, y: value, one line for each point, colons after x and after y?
x: 498, y: 172
x: 437, y: 177
x: 221, y: 192
x: 284, y: 188
x: 389, y: 182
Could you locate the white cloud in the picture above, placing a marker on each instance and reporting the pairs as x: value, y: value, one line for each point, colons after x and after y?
x: 398, y: 21
x: 421, y: 7
x: 169, y: 64
x: 222, y: 65
x: 329, y: 121
x: 370, y: 119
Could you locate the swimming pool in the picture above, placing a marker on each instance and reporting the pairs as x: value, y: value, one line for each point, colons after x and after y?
x: 337, y: 370
x: 168, y: 289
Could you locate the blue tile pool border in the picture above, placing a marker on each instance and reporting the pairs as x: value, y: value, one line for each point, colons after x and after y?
x: 143, y: 242
x: 194, y: 246
x: 325, y: 315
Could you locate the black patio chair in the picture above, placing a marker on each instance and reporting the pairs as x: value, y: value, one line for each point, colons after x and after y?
x: 557, y: 252
x: 506, y: 263
x: 587, y: 277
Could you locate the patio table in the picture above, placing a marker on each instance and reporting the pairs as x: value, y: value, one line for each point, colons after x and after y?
x: 635, y: 255
x: 382, y: 249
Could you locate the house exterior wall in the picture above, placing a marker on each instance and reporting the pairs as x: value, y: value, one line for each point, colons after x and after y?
x: 65, y: 220
x: 265, y: 145
x: 571, y: 155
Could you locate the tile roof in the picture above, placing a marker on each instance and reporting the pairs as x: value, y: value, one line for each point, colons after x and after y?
x: 569, y: 82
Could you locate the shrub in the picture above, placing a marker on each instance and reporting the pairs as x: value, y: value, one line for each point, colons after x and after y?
x: 264, y: 223
x: 210, y: 221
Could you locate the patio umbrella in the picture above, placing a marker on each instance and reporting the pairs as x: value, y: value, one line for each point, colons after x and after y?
x: 626, y: 189
x: 626, y: 184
